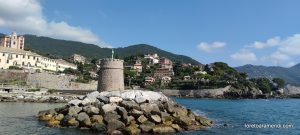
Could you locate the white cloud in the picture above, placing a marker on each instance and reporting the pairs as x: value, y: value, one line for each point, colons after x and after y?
x: 244, y: 56
x: 206, y: 47
x: 269, y: 43
x: 291, y: 46
x: 26, y: 16
x: 277, y: 57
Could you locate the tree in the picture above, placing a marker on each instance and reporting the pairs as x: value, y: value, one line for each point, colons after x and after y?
x: 280, y: 82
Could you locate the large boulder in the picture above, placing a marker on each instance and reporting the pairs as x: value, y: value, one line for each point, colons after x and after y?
x: 147, y: 126
x: 97, y: 119
x: 109, y: 116
x: 155, y: 118
x: 161, y: 129
x: 82, y: 116
x: 130, y: 105
x: 114, y: 124
x: 150, y: 108
x: 122, y: 112
x: 74, y: 110
x: 109, y: 108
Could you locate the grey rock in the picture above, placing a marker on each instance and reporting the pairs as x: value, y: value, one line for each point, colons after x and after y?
x: 110, y: 116
x: 114, y: 125
x: 140, y: 100
x: 147, y: 126
x: 122, y: 112
x: 150, y: 108
x: 91, y: 110
x: 136, y: 113
x: 142, y: 119
x: 99, y: 127
x: 109, y: 108
x: 130, y: 105
x: 103, y: 99
x: 82, y: 116
x: 74, y: 110
x: 155, y: 118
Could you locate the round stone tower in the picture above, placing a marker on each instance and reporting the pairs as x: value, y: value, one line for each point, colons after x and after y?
x: 111, y: 77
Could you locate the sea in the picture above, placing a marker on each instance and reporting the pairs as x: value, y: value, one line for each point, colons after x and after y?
x: 231, y: 117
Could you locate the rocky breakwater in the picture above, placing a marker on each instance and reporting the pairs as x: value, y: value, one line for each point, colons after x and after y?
x: 125, y: 112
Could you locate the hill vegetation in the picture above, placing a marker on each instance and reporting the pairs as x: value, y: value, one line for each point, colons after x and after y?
x: 63, y: 48
x: 290, y: 75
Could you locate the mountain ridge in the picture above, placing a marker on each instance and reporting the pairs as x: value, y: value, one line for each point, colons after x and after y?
x: 65, y: 48
x: 291, y: 75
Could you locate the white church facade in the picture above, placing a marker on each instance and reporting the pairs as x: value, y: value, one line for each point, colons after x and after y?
x: 15, y: 55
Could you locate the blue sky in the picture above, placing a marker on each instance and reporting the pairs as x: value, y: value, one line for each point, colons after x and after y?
x: 260, y: 32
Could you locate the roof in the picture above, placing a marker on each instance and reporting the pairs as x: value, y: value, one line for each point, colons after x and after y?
x: 18, y: 51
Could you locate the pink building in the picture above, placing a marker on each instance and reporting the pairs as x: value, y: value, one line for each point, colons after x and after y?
x: 12, y: 41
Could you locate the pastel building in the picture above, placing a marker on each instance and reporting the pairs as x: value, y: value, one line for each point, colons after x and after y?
x: 12, y: 41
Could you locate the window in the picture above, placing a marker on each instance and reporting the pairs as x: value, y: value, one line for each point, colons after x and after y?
x: 28, y: 57
x: 16, y: 55
x: 3, y: 54
x: 7, y: 61
x: 23, y: 56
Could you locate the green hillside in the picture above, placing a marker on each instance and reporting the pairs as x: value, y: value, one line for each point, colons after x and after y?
x: 63, y: 48
x: 290, y: 75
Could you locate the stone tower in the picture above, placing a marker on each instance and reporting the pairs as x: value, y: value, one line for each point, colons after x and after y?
x: 111, y: 76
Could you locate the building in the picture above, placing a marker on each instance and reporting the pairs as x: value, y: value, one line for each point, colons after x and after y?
x: 149, y: 80
x: 163, y: 72
x: 29, y: 60
x: 78, y: 58
x: 13, y: 41
x: 61, y: 65
x: 138, y: 66
x: 165, y: 63
x: 187, y: 77
x: 153, y: 58
x: 200, y: 72
x: 12, y: 53
x: 111, y: 75
x: 166, y: 80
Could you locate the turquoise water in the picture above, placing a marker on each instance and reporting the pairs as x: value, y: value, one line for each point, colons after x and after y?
x: 19, y: 118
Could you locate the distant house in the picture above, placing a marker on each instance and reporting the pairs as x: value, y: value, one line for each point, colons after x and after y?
x: 78, y: 58
x: 154, y: 58
x: 165, y: 63
x: 149, y: 80
x: 138, y: 66
x: 200, y: 72
x: 163, y: 72
x: 62, y: 65
x: 166, y: 80
x: 187, y: 77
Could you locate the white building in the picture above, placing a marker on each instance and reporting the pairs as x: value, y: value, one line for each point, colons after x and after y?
x: 154, y: 58
x: 29, y: 60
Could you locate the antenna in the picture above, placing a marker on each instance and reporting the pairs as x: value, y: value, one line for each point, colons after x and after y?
x: 112, y: 53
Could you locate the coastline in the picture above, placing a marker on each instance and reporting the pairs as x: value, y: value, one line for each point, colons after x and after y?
x: 36, y: 97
